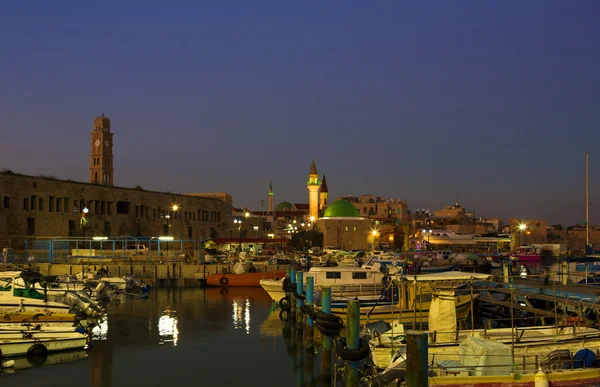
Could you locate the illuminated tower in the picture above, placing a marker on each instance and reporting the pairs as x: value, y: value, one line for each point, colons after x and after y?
x: 323, y: 196
x: 101, y: 156
x: 270, y: 197
x: 313, y: 184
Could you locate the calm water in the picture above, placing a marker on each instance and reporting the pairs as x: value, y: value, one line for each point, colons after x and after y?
x: 222, y: 337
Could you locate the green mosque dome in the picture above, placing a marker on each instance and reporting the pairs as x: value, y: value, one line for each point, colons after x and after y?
x: 341, y: 209
x: 284, y: 206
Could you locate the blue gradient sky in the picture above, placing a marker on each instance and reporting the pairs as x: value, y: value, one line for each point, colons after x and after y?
x: 495, y: 101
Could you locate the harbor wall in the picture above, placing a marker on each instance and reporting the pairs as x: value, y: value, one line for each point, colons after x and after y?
x: 166, y: 274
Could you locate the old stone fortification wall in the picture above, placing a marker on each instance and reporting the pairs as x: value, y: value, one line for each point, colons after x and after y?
x: 46, y: 207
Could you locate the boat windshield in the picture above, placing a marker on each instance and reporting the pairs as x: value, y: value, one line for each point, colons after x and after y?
x: 5, y: 284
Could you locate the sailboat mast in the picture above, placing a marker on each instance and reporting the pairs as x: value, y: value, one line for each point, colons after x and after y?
x: 587, y: 199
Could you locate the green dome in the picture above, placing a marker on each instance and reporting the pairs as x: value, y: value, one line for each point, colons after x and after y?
x: 341, y: 209
x: 283, y: 206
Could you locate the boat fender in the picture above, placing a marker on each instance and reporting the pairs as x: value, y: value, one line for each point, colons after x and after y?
x: 584, y: 358
x: 224, y: 281
x: 540, y: 379
x: 283, y: 315
x: 8, y: 364
x: 352, y: 354
x: 81, y: 330
x: 285, y: 283
x: 309, y: 310
x: 284, y: 303
x: 37, y: 355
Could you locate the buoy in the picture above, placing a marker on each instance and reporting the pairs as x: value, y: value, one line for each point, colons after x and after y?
x: 8, y: 364
x: 541, y: 379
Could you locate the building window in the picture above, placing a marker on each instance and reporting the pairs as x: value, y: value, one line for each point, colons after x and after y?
x: 6, y: 202
x: 34, y: 185
x: 106, y: 228
x: 59, y: 203
x: 41, y: 204
x: 333, y: 274
x: 33, y: 202
x: 346, y: 228
x: 359, y: 275
x: 108, y: 208
x: 354, y: 228
x: 102, y: 207
x: 26, y: 204
x: 122, y: 207
x: 154, y: 213
x: 71, y: 228
x: 190, y: 232
x: 51, y: 204
x: 30, y: 226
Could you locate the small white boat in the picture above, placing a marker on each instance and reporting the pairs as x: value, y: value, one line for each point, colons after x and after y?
x: 24, y: 345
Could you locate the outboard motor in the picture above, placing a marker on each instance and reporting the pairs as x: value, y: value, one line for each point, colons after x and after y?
x: 89, y: 307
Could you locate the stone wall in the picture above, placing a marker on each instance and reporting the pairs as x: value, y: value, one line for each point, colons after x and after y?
x: 46, y: 207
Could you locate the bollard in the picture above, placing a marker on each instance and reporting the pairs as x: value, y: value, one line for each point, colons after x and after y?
x: 416, y: 359
x: 292, y: 298
x: 309, y: 334
x: 326, y: 342
x: 300, y: 291
x: 352, y: 341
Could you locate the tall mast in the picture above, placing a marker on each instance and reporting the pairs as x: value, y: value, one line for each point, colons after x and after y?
x: 587, y: 200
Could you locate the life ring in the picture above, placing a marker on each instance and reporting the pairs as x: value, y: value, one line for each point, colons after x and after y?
x: 352, y: 354
x: 224, y: 281
x: 37, y: 355
x: 284, y: 303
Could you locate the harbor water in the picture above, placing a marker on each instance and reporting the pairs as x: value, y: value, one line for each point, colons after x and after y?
x: 221, y: 337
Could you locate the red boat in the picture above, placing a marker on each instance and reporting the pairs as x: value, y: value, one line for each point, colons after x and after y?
x: 245, y: 279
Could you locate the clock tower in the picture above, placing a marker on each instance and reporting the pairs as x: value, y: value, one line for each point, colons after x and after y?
x: 101, y: 156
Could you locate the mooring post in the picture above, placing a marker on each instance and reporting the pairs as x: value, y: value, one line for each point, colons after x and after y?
x: 299, y: 291
x: 308, y: 337
x: 416, y: 359
x: 326, y: 342
x: 352, y: 341
x: 292, y: 298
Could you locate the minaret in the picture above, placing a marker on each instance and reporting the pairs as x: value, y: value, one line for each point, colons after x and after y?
x: 324, y: 194
x: 270, y: 197
x: 101, y: 156
x: 313, y: 184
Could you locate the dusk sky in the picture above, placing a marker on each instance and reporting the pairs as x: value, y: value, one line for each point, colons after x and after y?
x: 494, y: 101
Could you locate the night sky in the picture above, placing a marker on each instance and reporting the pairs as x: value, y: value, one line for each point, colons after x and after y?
x: 494, y: 101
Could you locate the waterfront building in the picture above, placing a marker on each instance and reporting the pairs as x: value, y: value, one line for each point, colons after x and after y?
x: 34, y: 207
x: 344, y: 228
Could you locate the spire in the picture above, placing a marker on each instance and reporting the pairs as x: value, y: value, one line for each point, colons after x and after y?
x: 313, y: 168
x: 270, y: 186
x: 324, y: 185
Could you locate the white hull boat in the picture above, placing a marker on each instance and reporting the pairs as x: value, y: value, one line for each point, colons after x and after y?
x: 20, y: 346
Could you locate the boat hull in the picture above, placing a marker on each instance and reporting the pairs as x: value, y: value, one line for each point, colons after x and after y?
x: 418, y: 316
x: 245, y: 279
x: 19, y: 347
x: 563, y: 378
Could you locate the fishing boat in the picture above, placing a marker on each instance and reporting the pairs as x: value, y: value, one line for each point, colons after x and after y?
x: 23, y: 362
x: 25, y: 343
x: 365, y: 283
x: 415, y: 297
x: 16, y: 319
x: 18, y: 295
x: 243, y: 275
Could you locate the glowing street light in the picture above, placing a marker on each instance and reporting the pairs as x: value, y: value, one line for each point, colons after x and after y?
x: 246, y: 214
x: 85, y: 210
x: 522, y: 227
x: 175, y: 207
x: 312, y: 219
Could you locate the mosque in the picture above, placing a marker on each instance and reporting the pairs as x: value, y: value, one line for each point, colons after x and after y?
x: 340, y: 222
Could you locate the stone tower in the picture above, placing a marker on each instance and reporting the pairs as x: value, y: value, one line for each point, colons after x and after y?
x: 270, y: 197
x: 101, y: 156
x: 313, y: 184
x: 323, y: 197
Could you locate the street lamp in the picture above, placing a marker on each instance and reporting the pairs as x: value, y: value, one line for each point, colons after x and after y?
x: 239, y: 221
x: 375, y: 234
x: 83, y: 220
x: 428, y: 234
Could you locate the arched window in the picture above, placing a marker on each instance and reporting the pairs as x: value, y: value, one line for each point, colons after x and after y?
x: 95, y: 177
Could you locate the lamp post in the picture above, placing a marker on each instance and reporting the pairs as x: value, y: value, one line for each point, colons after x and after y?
x: 428, y: 234
x: 83, y: 220
x: 239, y: 223
x: 375, y: 234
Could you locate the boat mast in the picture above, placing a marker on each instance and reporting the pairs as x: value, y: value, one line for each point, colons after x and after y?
x: 587, y: 199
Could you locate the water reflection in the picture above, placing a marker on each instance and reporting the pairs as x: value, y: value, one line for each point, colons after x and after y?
x: 167, y: 328
x: 100, y: 331
x: 241, y: 314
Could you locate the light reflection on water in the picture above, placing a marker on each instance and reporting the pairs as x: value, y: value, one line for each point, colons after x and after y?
x: 141, y: 349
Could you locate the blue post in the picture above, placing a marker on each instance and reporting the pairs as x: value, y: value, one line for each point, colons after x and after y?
x: 326, y: 341
x: 416, y: 359
x: 352, y: 341
x: 293, y: 304
x: 299, y: 286
x: 310, y: 293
